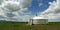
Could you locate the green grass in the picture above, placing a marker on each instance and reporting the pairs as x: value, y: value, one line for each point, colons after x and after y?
x: 54, y: 26
x: 23, y: 26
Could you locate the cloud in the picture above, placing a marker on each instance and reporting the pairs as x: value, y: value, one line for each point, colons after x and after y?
x: 25, y: 3
x: 1, y: 2
x: 11, y: 6
x: 11, y: 9
x: 53, y: 12
x: 51, y: 8
x: 14, y: 6
x: 40, y: 4
x: 10, y: 14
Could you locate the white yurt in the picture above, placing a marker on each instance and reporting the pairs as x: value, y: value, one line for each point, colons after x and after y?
x: 38, y: 20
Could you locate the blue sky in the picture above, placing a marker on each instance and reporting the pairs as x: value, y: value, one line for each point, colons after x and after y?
x: 35, y: 8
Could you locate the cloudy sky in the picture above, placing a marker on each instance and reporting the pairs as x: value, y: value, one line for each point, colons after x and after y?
x: 22, y: 10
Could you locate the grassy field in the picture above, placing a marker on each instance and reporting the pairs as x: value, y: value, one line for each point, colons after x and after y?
x: 23, y: 26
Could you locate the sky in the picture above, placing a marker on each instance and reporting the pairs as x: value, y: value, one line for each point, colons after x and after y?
x: 22, y: 10
x: 39, y: 5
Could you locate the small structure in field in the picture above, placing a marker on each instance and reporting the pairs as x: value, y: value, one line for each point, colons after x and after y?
x: 38, y: 20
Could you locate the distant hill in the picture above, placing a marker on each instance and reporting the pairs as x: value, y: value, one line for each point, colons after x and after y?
x: 5, y: 21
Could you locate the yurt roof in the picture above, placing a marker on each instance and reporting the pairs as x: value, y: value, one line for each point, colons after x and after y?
x: 38, y: 17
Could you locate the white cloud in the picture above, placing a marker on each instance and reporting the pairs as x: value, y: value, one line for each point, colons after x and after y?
x: 25, y: 3
x: 11, y: 9
x: 40, y: 4
x: 53, y: 12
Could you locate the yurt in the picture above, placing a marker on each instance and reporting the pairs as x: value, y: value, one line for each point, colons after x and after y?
x: 38, y: 20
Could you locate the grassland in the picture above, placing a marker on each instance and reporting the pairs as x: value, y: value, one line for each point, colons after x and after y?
x: 23, y: 26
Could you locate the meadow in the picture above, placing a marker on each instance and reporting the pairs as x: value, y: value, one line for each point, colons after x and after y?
x: 24, y: 26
